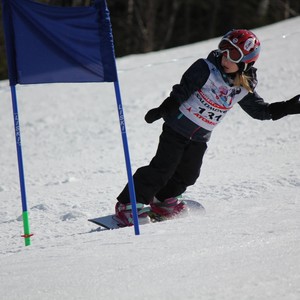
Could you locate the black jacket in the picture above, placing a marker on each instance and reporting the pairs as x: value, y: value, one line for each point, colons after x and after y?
x: 194, y: 79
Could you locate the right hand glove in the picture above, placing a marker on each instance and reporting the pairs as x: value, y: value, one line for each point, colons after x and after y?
x: 153, y: 114
x: 169, y: 105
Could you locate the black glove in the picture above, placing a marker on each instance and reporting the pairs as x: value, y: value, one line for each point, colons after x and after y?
x: 284, y: 108
x: 153, y: 114
x: 169, y: 105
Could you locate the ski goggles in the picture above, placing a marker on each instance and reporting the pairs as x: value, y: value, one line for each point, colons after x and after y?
x: 233, y: 52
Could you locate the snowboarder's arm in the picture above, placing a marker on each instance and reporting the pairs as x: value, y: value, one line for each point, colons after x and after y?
x: 257, y: 108
x: 193, y: 79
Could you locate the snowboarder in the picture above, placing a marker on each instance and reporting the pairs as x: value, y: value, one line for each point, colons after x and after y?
x: 206, y: 92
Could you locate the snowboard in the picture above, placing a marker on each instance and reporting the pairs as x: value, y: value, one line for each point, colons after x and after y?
x: 112, y: 221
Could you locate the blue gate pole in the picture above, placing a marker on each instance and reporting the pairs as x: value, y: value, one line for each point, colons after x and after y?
x: 127, y: 158
x: 26, y: 226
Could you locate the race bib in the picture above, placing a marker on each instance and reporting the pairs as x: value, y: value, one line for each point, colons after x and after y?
x: 208, y: 106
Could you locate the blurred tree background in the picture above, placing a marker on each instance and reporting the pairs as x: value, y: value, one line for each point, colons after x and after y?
x: 140, y: 26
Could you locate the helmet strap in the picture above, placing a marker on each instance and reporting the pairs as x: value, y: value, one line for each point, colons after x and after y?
x: 242, y: 67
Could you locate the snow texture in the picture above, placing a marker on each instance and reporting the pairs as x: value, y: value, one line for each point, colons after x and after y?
x: 247, y: 246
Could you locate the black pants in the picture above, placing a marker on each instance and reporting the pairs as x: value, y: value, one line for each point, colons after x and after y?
x: 175, y: 166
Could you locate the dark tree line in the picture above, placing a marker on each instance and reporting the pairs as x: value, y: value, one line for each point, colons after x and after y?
x: 141, y: 26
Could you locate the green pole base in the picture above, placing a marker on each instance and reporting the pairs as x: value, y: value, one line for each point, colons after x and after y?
x: 26, y: 226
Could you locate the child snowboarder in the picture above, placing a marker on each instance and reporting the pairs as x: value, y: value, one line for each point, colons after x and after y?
x: 207, y: 91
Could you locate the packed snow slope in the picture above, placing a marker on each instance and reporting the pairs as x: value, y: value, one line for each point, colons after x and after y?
x: 247, y: 246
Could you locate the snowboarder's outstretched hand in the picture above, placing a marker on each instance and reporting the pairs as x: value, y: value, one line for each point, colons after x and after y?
x: 284, y: 108
x: 152, y: 115
x: 169, y: 105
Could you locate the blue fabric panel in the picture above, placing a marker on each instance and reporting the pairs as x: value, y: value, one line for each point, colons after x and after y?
x: 48, y: 44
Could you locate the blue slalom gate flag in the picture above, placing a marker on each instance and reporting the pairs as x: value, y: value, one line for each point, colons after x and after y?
x: 51, y: 44
x: 58, y: 44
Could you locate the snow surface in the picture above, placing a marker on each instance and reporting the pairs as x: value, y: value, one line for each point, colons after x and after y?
x: 246, y: 246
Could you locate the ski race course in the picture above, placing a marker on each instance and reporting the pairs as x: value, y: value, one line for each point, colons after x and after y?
x: 247, y: 246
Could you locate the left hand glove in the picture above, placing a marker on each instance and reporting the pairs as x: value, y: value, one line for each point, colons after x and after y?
x: 279, y: 110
